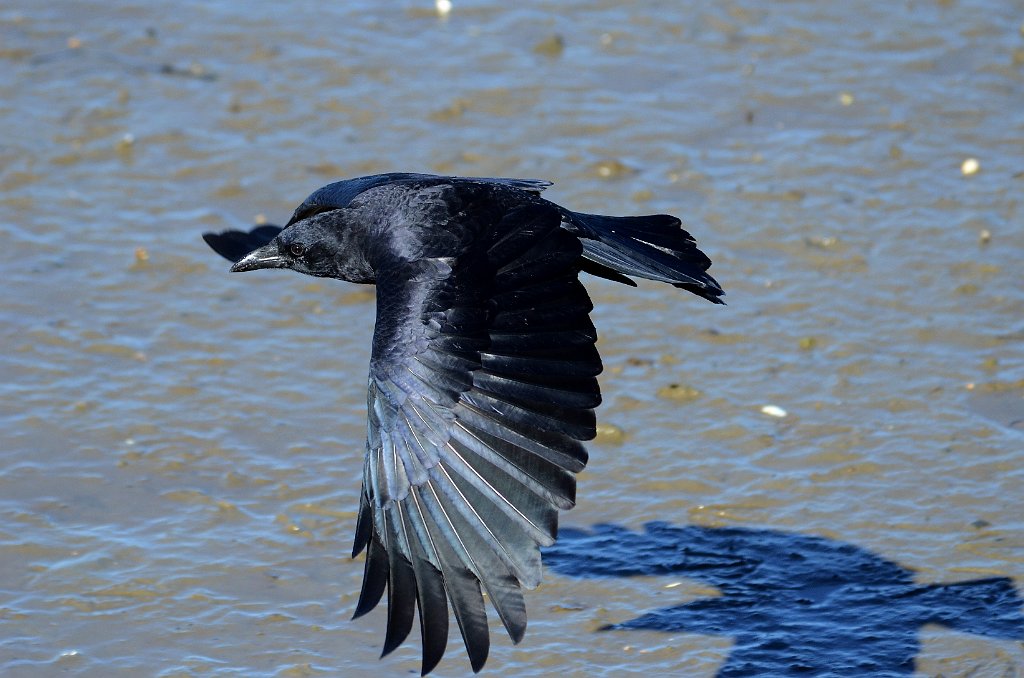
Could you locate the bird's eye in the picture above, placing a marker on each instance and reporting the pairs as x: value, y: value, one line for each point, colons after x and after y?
x: 296, y: 249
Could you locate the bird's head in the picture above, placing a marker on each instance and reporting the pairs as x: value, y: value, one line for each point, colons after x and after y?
x: 325, y: 244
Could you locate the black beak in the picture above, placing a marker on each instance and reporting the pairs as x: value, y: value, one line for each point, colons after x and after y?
x: 267, y: 256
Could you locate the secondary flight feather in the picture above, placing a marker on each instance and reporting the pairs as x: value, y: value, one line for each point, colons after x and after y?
x: 483, y: 376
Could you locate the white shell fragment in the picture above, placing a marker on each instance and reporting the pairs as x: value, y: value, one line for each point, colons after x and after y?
x: 773, y: 411
x: 970, y: 166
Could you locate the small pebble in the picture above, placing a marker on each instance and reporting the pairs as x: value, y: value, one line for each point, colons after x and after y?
x: 444, y: 7
x: 141, y: 255
x: 612, y: 169
x: 773, y: 411
x: 609, y: 434
x: 985, y: 236
x: 821, y: 241
x: 680, y: 392
x: 970, y: 166
x: 845, y: 98
x: 126, y: 142
x: 808, y: 343
x: 551, y: 46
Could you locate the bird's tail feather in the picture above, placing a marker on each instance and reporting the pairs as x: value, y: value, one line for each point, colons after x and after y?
x: 653, y: 247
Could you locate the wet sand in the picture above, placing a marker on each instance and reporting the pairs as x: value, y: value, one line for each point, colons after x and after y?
x: 180, y: 448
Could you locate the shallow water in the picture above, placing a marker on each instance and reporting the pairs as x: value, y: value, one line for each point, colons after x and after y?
x: 180, y: 448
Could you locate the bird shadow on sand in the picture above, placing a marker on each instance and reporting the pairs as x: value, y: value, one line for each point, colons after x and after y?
x: 793, y: 603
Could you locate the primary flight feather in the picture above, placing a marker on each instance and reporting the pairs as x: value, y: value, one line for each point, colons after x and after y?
x: 483, y: 376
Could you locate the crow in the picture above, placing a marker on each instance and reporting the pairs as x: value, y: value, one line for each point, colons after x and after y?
x: 483, y: 376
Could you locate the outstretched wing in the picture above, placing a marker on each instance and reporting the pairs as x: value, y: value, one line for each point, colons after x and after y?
x: 482, y: 385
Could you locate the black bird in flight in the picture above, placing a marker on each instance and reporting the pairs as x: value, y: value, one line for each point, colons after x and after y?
x: 483, y: 375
